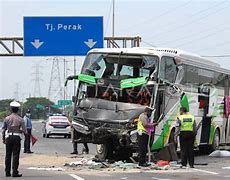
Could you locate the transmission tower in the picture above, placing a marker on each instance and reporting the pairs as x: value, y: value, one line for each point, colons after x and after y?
x: 37, y: 80
x: 55, y: 86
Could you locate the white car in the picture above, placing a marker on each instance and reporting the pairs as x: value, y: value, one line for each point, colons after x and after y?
x: 56, y: 124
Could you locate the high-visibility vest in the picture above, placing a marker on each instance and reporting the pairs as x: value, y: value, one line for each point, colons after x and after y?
x: 140, y: 127
x: 187, y: 121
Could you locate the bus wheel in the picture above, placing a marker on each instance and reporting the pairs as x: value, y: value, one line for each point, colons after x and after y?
x: 104, y: 151
x: 172, y: 138
x: 216, y: 141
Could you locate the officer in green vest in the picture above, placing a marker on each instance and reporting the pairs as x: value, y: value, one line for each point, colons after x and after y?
x: 144, y: 126
x: 186, y: 128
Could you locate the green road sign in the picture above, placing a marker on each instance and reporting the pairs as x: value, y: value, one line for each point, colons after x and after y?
x: 64, y: 102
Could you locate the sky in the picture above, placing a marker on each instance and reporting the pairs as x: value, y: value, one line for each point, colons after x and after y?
x: 197, y: 26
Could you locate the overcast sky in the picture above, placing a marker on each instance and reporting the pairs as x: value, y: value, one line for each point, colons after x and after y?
x: 198, y: 26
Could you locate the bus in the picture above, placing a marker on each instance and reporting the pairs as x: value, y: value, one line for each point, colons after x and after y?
x: 116, y: 84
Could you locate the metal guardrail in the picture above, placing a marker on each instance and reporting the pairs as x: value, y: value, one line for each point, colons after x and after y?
x: 13, y: 46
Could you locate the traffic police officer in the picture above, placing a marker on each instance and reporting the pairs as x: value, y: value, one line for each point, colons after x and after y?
x: 28, y: 124
x: 143, y: 136
x: 13, y: 126
x: 186, y: 128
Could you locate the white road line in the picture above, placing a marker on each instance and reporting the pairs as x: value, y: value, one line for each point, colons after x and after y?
x: 76, y: 177
x: 209, y: 172
x: 226, y: 167
x: 124, y: 178
x: 159, y: 178
x: 227, y: 176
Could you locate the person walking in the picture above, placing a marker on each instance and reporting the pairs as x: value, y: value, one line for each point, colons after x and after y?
x: 28, y: 124
x: 13, y: 127
x: 186, y: 128
x: 143, y: 137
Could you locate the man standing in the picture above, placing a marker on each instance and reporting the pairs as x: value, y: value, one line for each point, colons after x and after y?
x: 74, y: 136
x: 143, y: 136
x: 13, y: 126
x: 75, y: 151
x: 186, y: 128
x: 28, y: 123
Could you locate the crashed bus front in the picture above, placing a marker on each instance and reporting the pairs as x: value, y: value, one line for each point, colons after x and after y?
x: 113, y: 90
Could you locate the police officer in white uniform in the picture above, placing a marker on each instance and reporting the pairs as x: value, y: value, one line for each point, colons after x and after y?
x: 13, y: 127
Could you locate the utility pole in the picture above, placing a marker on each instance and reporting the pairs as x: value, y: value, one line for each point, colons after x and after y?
x: 113, y: 23
x: 74, y: 72
x: 37, y: 79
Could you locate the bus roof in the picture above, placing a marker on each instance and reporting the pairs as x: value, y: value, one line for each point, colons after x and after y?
x: 186, y: 57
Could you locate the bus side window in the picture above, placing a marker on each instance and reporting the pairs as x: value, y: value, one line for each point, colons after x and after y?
x: 168, y: 69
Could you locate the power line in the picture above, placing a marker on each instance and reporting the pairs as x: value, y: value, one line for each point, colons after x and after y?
x: 215, y: 45
x: 160, y: 15
x: 185, y: 25
x: 152, y: 45
x: 226, y: 55
x: 194, y: 33
x: 203, y: 37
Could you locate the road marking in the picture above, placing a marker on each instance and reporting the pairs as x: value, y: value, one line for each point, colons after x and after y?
x: 227, y: 176
x: 226, y: 167
x: 209, y: 172
x: 124, y: 178
x: 159, y: 178
x: 46, y: 169
x: 76, y: 177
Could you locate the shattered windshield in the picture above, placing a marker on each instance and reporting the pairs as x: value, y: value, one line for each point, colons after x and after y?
x: 120, y: 77
x: 116, y: 66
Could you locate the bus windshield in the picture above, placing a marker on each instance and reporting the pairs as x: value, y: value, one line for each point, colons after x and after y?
x: 119, y: 66
x: 111, y: 69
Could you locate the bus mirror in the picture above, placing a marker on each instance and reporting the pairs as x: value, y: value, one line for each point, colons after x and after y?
x: 73, y: 99
x: 70, y: 78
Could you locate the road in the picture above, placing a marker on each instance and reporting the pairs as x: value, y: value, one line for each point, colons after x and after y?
x: 51, y: 154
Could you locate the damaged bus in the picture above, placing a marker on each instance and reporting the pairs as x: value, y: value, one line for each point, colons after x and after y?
x: 115, y: 85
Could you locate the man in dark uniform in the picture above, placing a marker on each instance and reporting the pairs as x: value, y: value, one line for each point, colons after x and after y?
x: 143, y: 135
x: 28, y: 124
x: 186, y: 128
x: 13, y: 127
x: 75, y: 151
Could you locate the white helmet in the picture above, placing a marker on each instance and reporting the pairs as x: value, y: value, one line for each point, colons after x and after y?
x: 14, y: 104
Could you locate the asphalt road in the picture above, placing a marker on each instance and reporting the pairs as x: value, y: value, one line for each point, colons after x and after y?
x: 54, y: 144
x: 59, y: 147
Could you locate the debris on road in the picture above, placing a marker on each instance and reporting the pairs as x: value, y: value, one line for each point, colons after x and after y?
x: 77, y: 163
x: 118, y: 165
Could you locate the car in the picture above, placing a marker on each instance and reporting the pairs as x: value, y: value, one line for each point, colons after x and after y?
x: 56, y: 124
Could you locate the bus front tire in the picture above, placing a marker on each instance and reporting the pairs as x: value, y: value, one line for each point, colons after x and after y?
x: 104, y: 151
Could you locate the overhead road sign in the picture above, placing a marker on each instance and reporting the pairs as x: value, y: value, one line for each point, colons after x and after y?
x: 62, y: 36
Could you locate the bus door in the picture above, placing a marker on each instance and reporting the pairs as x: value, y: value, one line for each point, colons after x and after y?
x: 204, y: 100
x: 226, y: 124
